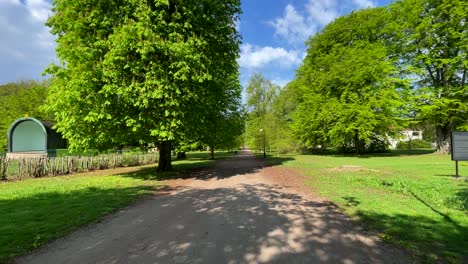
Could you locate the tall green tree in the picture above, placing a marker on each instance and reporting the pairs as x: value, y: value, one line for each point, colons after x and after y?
x: 136, y: 70
x: 350, y: 84
x: 433, y: 45
x: 261, y: 94
x: 224, y: 118
x: 284, y: 105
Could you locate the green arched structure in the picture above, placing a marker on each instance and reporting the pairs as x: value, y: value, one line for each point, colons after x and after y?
x: 31, y: 135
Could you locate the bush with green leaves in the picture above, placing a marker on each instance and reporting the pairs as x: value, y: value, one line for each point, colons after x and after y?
x: 415, y: 144
x: 376, y: 145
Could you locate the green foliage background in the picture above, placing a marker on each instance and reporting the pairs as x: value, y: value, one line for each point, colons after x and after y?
x: 142, y: 71
x: 368, y: 75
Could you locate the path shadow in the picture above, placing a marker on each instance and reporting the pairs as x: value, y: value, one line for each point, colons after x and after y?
x: 241, y: 164
x: 247, y: 224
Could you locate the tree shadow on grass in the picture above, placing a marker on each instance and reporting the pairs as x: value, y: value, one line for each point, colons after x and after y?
x: 461, y: 198
x: 454, y: 177
x: 413, y: 152
x: 277, y: 161
x: 391, y: 153
x: 29, y: 222
x: 180, y: 171
x: 351, y: 201
x: 432, y: 240
x: 433, y: 209
x: 258, y: 223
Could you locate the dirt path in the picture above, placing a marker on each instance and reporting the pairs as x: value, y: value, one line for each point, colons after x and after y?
x: 234, y: 213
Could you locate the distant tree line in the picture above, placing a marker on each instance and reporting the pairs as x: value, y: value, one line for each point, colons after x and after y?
x: 367, y: 76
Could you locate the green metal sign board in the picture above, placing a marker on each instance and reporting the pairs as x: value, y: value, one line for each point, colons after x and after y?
x: 459, y: 147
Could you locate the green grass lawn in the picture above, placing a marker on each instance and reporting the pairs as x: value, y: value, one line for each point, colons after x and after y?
x: 413, y: 200
x: 35, y: 211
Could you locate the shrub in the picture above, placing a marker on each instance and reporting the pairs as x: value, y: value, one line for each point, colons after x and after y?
x: 376, y: 145
x: 415, y: 144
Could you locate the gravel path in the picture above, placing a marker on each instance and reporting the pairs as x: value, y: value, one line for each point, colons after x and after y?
x: 236, y: 212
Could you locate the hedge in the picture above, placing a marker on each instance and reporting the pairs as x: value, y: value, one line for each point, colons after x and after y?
x: 54, y: 166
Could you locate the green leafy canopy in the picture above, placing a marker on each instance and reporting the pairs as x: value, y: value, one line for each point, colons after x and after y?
x: 134, y: 71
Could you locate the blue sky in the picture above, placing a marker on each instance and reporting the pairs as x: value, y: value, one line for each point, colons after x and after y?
x: 273, y: 31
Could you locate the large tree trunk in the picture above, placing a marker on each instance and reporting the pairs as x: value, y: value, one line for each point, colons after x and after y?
x: 359, y: 144
x: 165, y: 156
x: 443, y: 138
x: 212, y: 152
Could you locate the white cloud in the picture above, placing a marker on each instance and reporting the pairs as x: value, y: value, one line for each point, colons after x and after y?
x: 321, y: 12
x: 292, y: 26
x: 297, y: 27
x: 39, y: 9
x: 27, y: 47
x: 12, y: 2
x: 255, y: 57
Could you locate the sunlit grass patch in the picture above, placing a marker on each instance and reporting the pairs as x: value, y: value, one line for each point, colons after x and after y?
x: 35, y: 211
x: 413, y: 200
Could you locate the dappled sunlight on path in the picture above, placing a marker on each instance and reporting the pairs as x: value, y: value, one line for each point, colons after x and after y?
x: 235, y: 214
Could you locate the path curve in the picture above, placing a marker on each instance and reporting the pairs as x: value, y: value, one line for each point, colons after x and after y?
x: 233, y: 213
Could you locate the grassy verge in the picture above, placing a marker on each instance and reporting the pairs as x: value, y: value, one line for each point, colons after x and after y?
x: 413, y: 200
x: 35, y: 211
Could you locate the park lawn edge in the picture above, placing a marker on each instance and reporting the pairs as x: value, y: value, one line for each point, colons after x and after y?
x: 363, y: 223
x: 145, y: 190
x: 317, y: 170
x: 144, y: 178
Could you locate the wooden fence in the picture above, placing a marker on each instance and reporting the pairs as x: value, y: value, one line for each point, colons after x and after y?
x: 49, y: 166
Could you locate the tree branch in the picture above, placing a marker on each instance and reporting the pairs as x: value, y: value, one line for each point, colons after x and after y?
x: 431, y: 75
x: 463, y: 78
